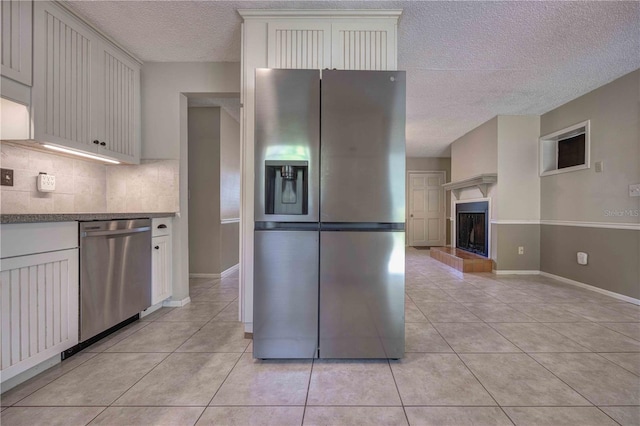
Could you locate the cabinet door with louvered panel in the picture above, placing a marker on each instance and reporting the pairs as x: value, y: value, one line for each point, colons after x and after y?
x: 63, y: 92
x: 118, y: 106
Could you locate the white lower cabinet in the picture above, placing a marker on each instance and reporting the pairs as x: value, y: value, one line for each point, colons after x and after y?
x: 39, y: 308
x: 161, y: 257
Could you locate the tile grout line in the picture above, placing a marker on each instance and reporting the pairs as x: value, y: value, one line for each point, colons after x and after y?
x: 158, y: 364
x: 463, y: 363
x: 306, y: 400
x: 230, y: 370
x: 556, y: 376
x: 398, y: 390
x: 542, y: 324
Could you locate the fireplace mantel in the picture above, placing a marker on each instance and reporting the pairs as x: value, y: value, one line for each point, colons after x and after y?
x: 482, y: 182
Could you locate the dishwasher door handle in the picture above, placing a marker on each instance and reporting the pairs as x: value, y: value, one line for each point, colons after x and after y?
x: 115, y: 232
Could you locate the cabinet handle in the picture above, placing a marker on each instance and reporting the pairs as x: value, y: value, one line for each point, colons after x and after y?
x: 157, y: 247
x: 162, y: 226
x: 103, y: 144
x: 96, y: 142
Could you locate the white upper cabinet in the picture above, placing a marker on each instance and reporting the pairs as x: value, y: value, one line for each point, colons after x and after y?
x: 368, y: 45
x: 16, y: 40
x: 86, y: 92
x: 301, y: 45
x: 319, y: 39
x: 118, y: 105
x: 63, y: 92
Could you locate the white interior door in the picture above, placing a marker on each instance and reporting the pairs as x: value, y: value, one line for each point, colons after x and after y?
x: 426, y: 209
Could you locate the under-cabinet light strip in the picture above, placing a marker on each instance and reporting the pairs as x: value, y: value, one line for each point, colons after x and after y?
x: 80, y: 154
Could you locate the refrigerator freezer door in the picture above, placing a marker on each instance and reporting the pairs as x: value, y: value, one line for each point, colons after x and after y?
x: 287, y: 129
x: 361, y: 294
x: 363, y: 146
x: 285, y: 294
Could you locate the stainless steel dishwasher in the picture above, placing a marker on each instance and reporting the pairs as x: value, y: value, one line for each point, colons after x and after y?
x: 115, y: 273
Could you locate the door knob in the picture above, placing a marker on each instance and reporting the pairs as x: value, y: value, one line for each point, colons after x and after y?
x: 411, y: 215
x: 96, y: 142
x: 103, y: 144
x: 157, y: 247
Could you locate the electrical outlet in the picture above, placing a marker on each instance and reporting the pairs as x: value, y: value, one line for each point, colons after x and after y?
x: 582, y: 258
x: 599, y: 167
x: 46, y: 183
x: 520, y: 250
x: 6, y: 177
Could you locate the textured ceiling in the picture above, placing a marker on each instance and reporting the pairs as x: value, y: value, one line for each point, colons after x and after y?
x: 466, y: 61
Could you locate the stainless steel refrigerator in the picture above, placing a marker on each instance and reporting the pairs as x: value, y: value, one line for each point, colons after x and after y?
x: 329, y: 214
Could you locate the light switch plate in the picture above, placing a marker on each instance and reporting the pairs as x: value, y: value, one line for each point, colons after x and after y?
x: 634, y: 190
x: 599, y: 167
x: 46, y: 183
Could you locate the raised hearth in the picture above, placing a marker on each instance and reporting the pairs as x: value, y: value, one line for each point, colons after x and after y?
x: 461, y: 260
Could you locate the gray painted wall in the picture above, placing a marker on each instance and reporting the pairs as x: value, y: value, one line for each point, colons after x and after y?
x: 614, y: 261
x: 229, y: 190
x: 229, y: 167
x: 585, y: 196
x: 230, y: 245
x: 507, y: 238
x: 214, y: 188
x: 204, y: 190
x: 476, y: 152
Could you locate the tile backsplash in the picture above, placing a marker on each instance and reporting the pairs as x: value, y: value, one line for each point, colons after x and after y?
x: 86, y: 186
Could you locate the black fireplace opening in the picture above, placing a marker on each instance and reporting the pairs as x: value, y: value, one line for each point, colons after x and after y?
x: 472, y: 227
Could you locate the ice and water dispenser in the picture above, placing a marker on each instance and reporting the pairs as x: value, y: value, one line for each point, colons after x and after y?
x: 286, y: 187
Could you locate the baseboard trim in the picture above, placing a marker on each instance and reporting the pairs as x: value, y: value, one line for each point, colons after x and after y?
x: 230, y: 271
x: 514, y: 272
x: 19, y: 378
x: 248, y: 327
x: 151, y: 309
x: 176, y: 303
x: 592, y: 288
x: 204, y: 276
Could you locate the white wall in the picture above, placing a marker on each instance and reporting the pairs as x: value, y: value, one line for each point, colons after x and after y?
x: 162, y: 84
x: 165, y: 132
x: 518, y: 180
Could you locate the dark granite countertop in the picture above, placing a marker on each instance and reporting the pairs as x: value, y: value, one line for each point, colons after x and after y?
x: 69, y: 217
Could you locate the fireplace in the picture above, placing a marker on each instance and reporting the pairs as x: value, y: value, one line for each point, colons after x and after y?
x: 472, y: 227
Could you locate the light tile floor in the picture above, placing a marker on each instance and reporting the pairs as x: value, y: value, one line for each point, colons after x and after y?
x: 481, y: 349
